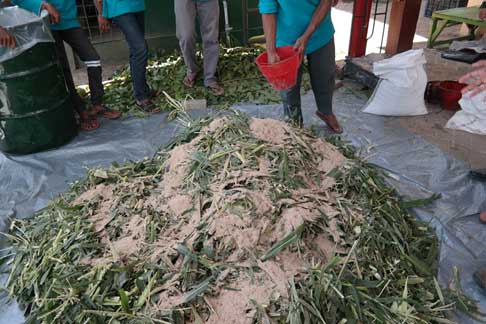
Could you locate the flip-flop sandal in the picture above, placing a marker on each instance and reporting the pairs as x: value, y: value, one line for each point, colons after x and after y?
x: 89, y: 125
x: 335, y: 128
x: 148, y: 106
x: 189, y: 81
x: 105, y: 112
x: 216, y: 89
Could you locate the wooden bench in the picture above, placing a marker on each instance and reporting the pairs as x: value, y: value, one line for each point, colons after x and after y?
x: 452, y: 17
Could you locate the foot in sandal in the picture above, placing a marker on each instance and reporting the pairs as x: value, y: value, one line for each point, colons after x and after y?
x: 103, y: 111
x: 87, y: 123
x: 216, y: 89
x: 331, y: 122
x: 148, y: 106
x: 190, y: 80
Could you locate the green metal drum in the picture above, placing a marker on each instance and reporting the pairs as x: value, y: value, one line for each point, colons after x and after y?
x: 36, y: 112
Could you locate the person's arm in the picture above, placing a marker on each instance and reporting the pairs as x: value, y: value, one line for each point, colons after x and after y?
x: 270, y: 30
x: 269, y: 9
x: 54, y: 15
x: 103, y: 22
x: 318, y: 17
x: 36, y: 6
x: 478, y: 78
x: 7, y: 39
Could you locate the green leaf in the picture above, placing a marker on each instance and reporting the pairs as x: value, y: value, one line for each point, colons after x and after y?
x: 290, y: 239
x: 124, y: 300
x: 420, y: 202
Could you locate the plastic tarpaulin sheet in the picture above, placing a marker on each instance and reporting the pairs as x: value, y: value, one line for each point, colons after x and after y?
x: 27, y: 28
x: 418, y: 168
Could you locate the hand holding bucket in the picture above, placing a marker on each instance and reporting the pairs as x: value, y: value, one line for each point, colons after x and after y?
x: 283, y: 74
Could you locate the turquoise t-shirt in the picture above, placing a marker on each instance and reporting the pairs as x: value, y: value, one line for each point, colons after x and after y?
x: 115, y: 8
x: 67, y: 9
x: 293, y: 18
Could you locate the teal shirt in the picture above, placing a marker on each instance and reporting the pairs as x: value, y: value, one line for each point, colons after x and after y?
x: 67, y: 9
x: 115, y: 8
x: 293, y: 18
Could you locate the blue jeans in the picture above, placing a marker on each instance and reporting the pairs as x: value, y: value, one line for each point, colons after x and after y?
x: 133, y: 27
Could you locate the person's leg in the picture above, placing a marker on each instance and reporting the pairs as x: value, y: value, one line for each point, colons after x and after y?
x: 322, y: 70
x: 86, y: 123
x: 292, y: 103
x: 140, y: 17
x: 81, y: 45
x: 79, y: 105
x: 185, y: 12
x: 208, y: 13
x: 134, y: 34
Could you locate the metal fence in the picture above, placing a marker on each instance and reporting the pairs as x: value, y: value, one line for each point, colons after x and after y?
x: 88, y: 17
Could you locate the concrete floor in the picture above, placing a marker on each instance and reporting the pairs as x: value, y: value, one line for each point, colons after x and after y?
x: 467, y: 147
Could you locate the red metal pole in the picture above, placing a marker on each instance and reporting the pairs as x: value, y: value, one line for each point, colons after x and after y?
x: 359, y: 28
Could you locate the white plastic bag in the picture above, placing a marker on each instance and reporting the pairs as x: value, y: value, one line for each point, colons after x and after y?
x: 400, y: 91
x: 472, y: 117
x: 27, y: 28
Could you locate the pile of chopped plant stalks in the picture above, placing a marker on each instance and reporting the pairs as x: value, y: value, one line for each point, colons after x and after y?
x: 240, y: 220
x: 237, y: 71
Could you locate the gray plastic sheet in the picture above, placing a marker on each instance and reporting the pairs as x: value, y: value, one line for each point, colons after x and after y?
x: 27, y: 28
x: 416, y: 168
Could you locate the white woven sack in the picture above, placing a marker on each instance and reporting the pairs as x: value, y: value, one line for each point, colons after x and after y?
x: 472, y: 117
x: 400, y: 91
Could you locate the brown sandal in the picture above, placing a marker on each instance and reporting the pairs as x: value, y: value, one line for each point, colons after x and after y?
x: 190, y: 81
x: 89, y: 125
x: 331, y: 122
x: 216, y: 89
x: 148, y: 106
x: 105, y: 112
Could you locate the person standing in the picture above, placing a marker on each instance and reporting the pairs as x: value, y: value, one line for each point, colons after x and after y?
x: 306, y: 25
x: 65, y: 27
x: 129, y: 16
x: 207, y: 12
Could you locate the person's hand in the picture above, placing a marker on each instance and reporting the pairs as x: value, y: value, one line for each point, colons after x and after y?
x: 273, y: 57
x: 482, y: 14
x: 478, y: 78
x: 104, y: 24
x: 301, y: 44
x: 7, y: 39
x: 54, y: 15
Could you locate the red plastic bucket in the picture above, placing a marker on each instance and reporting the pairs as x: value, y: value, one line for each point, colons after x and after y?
x: 450, y: 94
x: 282, y: 75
